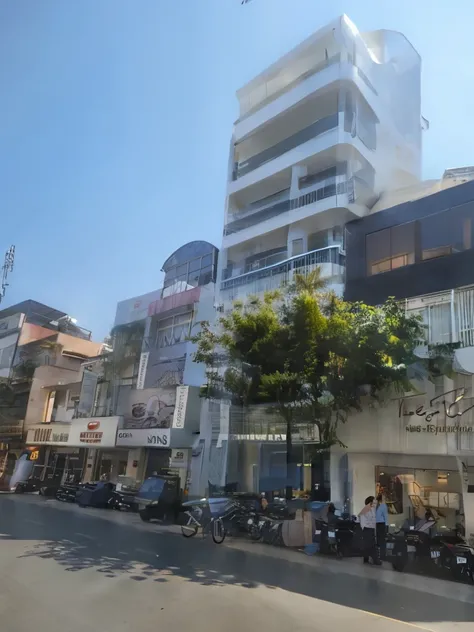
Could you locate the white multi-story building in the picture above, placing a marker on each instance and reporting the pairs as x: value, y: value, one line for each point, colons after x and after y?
x: 320, y: 134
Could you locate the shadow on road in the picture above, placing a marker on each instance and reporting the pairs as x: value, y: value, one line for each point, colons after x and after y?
x: 115, y: 550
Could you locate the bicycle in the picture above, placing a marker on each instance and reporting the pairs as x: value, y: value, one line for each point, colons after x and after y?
x: 213, y: 524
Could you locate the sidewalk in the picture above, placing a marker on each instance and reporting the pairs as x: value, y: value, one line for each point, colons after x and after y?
x: 349, y: 566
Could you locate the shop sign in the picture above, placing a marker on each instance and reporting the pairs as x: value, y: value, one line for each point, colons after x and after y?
x: 179, y: 415
x: 48, y: 435
x: 144, y: 438
x: 179, y: 458
x: 142, y: 370
x: 436, y: 430
x: 454, y: 409
x: 438, y: 405
x: 93, y: 432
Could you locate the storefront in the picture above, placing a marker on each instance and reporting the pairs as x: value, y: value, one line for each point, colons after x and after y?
x: 98, y: 437
x: 418, y: 450
x: 55, y: 458
x: 153, y: 451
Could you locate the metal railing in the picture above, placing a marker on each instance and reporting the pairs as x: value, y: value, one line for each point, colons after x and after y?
x: 330, y: 189
x: 286, y: 268
x: 311, y: 131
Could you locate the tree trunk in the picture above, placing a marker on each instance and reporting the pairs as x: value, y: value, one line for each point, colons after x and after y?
x: 289, y: 461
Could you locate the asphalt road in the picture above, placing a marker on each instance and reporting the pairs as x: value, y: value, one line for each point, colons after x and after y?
x: 61, y: 569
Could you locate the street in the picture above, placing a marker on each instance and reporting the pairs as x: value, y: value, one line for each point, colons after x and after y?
x: 63, y: 568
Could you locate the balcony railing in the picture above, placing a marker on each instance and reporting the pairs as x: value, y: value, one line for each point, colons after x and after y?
x: 312, y: 131
x: 283, y: 271
x: 331, y: 188
x: 446, y: 318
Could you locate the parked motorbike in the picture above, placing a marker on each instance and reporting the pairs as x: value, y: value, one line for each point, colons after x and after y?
x: 123, y: 501
x: 441, y: 550
x: 67, y: 493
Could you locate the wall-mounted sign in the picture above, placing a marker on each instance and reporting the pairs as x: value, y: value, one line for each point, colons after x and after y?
x: 179, y: 415
x: 439, y: 405
x: 53, y: 434
x: 90, y: 437
x: 142, y: 370
x: 179, y: 458
x: 93, y: 432
x: 150, y: 408
x: 144, y: 438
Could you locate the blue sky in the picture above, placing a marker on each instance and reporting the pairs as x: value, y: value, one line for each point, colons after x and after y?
x: 116, y: 115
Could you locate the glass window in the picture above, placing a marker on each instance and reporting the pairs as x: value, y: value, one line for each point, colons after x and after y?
x: 183, y: 269
x: 318, y: 240
x: 194, y: 265
x: 402, y: 245
x: 446, y: 233
x: 206, y: 276
x: 206, y: 261
x: 173, y: 330
x: 193, y: 278
x: 390, y: 248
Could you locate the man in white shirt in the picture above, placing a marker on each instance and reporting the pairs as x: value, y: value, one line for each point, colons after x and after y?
x: 368, y: 520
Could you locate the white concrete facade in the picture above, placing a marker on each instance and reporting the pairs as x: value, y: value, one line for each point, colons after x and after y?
x: 321, y: 133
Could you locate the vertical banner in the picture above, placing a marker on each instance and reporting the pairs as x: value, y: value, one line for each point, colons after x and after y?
x: 142, y: 370
x: 87, y: 397
x: 180, y: 408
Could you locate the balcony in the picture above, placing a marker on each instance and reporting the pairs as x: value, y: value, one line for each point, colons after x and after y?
x: 308, y: 133
x: 447, y: 317
x: 277, y: 270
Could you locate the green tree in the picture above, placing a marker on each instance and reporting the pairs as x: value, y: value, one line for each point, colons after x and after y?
x: 309, y: 354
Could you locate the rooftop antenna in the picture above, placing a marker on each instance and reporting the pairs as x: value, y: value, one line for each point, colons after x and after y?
x: 6, y: 268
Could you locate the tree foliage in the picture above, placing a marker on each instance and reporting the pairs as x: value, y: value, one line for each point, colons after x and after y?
x: 310, y: 354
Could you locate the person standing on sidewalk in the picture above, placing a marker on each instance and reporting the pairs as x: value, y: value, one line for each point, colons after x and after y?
x: 381, y: 517
x: 367, y: 519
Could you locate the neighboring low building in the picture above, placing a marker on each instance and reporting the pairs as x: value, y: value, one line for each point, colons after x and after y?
x: 138, y: 406
x: 39, y: 346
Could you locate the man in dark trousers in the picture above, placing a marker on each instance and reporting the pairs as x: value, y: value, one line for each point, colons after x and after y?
x: 367, y: 519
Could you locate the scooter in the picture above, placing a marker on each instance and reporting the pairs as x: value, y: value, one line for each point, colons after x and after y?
x: 445, y: 551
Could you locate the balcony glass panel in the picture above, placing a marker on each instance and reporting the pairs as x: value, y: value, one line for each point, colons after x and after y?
x: 312, y: 131
x: 284, y: 269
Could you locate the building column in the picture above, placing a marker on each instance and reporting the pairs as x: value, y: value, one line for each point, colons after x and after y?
x: 297, y: 172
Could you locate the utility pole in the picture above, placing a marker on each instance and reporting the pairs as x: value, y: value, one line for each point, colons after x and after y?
x: 6, y: 268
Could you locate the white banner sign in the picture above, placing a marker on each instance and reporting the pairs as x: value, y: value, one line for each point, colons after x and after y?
x: 138, y: 438
x: 179, y: 415
x: 142, y: 370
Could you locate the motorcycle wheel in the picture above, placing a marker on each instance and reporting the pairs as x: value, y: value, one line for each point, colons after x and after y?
x: 218, y: 531
x: 255, y: 533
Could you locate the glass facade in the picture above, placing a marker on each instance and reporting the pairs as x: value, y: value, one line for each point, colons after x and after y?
x: 439, y: 235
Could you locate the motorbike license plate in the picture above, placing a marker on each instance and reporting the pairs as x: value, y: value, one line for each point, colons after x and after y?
x: 435, y: 554
x: 317, y: 532
x: 461, y: 560
x: 331, y: 534
x: 411, y: 549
